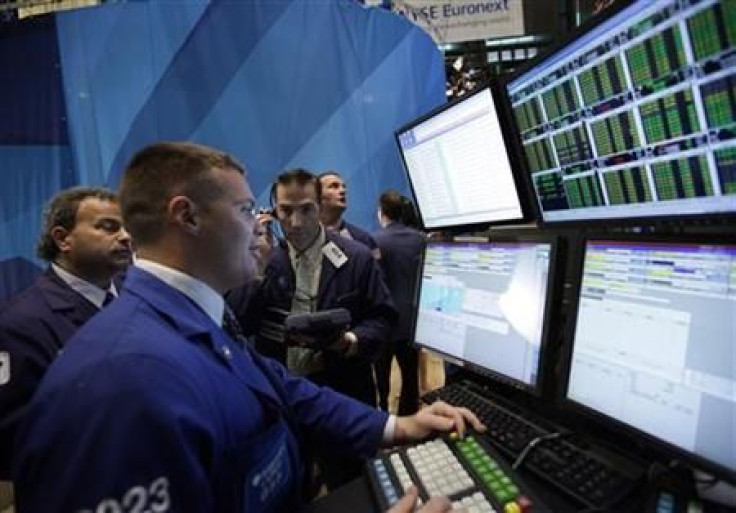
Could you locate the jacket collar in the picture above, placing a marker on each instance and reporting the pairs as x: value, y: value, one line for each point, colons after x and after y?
x: 193, y: 323
x: 61, y: 297
x: 282, y: 264
x: 182, y: 312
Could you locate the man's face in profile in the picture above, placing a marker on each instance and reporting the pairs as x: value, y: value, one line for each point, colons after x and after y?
x: 98, y: 243
x: 334, y: 193
x: 229, y: 231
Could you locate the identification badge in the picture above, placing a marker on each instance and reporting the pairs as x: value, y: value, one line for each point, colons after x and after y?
x: 334, y: 254
x: 4, y: 367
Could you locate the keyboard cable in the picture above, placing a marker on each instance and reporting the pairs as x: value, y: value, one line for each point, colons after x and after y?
x: 532, y: 444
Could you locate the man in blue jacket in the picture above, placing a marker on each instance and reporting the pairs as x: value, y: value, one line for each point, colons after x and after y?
x: 152, y: 406
x: 84, y: 241
x: 316, y: 270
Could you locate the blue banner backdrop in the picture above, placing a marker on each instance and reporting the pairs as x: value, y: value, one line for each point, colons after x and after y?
x: 316, y: 84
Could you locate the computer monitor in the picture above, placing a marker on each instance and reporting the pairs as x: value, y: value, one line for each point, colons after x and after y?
x: 653, y: 346
x: 458, y: 165
x: 633, y: 117
x: 486, y: 305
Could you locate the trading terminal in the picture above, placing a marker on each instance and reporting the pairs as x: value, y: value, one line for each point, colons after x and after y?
x: 598, y: 344
x: 581, y: 275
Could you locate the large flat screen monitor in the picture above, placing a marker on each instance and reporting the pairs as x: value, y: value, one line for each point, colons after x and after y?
x: 654, y: 344
x: 486, y: 304
x: 635, y: 117
x: 458, y: 165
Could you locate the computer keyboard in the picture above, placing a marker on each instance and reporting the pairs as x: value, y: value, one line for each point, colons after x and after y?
x: 579, y: 472
x: 507, y: 429
x: 465, y: 470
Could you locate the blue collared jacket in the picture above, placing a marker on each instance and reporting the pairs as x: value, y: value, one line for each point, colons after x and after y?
x: 34, y: 326
x: 151, y: 405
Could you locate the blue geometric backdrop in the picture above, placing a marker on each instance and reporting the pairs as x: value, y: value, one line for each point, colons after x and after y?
x: 279, y: 84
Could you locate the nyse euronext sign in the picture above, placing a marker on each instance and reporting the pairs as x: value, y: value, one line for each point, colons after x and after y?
x: 457, y: 20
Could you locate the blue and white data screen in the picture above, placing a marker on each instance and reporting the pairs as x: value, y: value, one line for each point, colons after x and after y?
x: 655, y: 342
x: 459, y: 167
x: 484, y: 303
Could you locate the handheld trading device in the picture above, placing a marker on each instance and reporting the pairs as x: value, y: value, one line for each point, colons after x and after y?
x: 323, y: 326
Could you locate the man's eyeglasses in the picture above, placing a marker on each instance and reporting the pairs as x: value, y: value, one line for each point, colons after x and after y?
x: 250, y: 209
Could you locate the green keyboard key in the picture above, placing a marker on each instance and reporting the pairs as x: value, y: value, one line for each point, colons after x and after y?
x: 503, y: 495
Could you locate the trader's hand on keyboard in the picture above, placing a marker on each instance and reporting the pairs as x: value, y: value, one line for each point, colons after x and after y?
x: 439, y: 416
x: 408, y: 503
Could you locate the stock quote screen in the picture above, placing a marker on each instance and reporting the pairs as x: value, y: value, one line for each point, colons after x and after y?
x: 635, y: 118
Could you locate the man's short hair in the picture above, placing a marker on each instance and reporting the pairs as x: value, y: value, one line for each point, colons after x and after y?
x: 62, y: 211
x: 329, y: 173
x: 162, y: 171
x: 299, y: 176
x: 398, y: 207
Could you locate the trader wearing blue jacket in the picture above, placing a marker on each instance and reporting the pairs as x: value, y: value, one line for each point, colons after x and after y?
x: 152, y: 406
x: 84, y: 241
x: 316, y: 270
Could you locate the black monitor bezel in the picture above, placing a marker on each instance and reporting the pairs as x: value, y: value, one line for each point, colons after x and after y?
x: 576, y: 409
x: 553, y: 291
x: 515, y: 141
x: 520, y: 184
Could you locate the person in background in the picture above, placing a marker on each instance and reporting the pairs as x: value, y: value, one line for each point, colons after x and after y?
x: 400, y: 244
x: 84, y: 241
x: 153, y: 403
x: 311, y: 270
x: 333, y: 204
x: 315, y: 270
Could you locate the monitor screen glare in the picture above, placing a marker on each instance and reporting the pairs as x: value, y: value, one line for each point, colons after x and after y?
x: 459, y: 167
x: 635, y: 118
x: 484, y: 304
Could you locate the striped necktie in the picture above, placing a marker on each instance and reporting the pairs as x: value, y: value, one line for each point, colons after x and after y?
x: 231, y: 326
x: 109, y: 296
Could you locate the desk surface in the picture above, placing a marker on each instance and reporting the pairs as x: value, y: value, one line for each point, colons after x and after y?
x: 355, y: 497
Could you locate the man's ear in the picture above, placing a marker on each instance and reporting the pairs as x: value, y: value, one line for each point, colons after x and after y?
x: 60, y: 236
x: 183, y: 212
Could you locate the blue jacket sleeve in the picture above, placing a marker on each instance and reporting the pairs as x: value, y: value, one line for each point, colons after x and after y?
x: 25, y: 359
x: 326, y: 415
